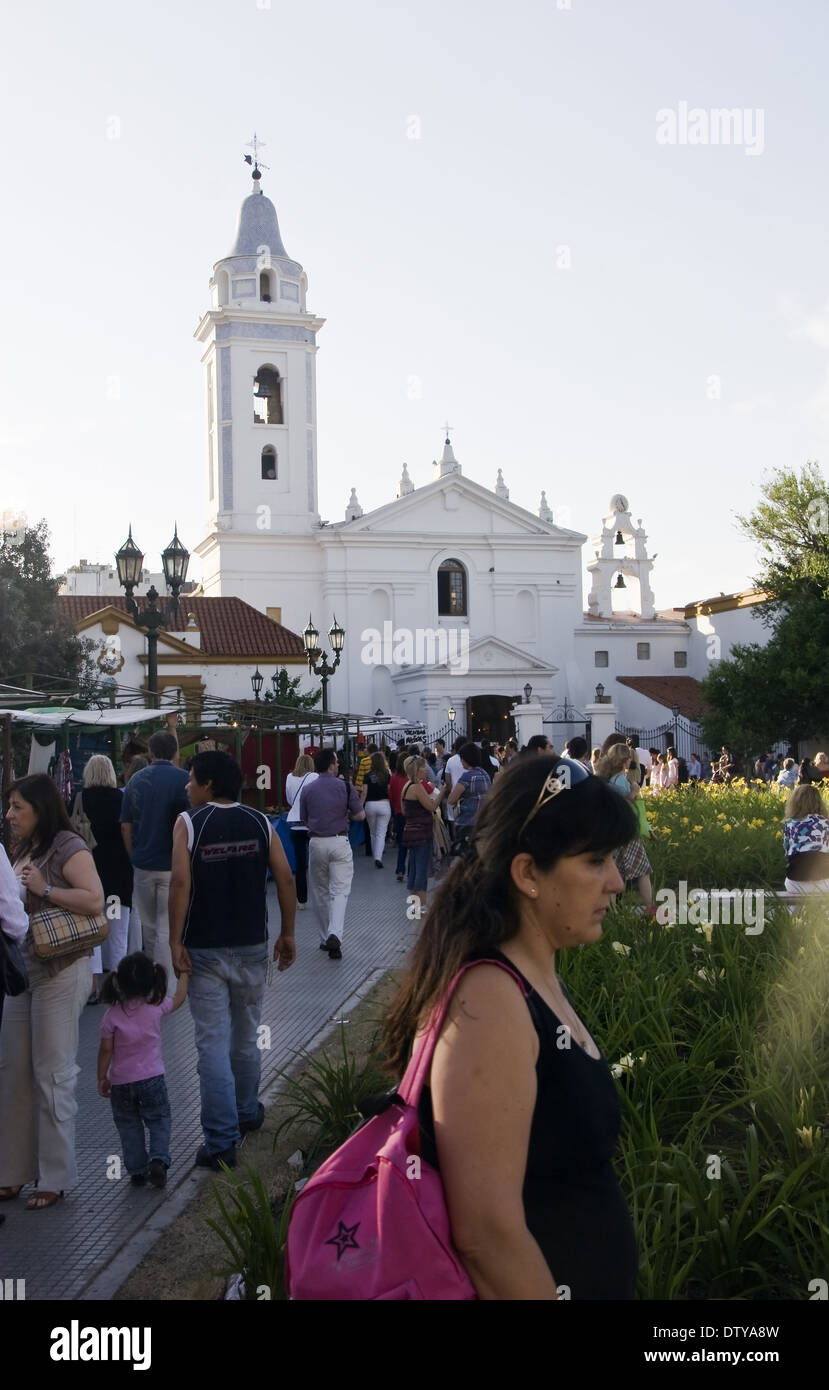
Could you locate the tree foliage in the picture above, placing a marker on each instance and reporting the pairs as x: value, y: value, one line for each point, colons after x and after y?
x: 35, y: 638
x: 762, y: 695
x: 288, y: 693
x: 791, y: 528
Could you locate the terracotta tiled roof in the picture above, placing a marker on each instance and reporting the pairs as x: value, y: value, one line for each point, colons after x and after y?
x: 229, y: 627
x: 669, y: 691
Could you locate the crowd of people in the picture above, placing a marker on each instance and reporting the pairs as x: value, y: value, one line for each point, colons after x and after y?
x: 529, y: 849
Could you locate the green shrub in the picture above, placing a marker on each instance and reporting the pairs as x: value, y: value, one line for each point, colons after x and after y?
x: 254, y: 1237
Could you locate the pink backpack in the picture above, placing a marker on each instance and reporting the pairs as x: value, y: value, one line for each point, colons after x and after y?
x: 372, y: 1221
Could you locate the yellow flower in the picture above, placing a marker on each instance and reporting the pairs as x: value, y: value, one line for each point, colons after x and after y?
x: 779, y: 835
x: 684, y: 821
x: 721, y: 815
x: 697, y: 829
x: 726, y: 827
x: 707, y: 930
x: 621, y: 949
x: 806, y: 1136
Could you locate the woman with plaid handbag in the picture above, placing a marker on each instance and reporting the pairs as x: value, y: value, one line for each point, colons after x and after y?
x: 39, y: 1034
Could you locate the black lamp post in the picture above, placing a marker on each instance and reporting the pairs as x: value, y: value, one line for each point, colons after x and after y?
x: 321, y: 668
x: 257, y: 680
x: 528, y: 690
x: 450, y: 714
x: 129, y: 560
x: 599, y: 693
x: 675, y: 713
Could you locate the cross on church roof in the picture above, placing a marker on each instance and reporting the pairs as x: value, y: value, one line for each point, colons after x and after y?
x: 446, y: 430
x: 255, y: 144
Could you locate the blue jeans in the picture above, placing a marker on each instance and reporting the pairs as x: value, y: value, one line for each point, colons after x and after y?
x: 399, y: 822
x: 134, y: 1105
x: 420, y: 859
x: 225, y: 997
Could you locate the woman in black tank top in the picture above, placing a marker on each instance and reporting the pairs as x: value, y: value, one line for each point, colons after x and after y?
x: 522, y: 1115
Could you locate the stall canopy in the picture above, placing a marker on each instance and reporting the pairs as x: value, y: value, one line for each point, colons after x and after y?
x: 98, y: 718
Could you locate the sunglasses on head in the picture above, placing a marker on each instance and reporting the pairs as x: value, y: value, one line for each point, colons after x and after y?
x: 553, y: 784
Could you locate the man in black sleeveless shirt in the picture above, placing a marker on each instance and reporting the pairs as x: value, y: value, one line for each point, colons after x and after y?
x: 219, y: 935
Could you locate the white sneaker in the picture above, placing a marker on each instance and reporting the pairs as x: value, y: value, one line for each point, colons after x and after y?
x: 300, y: 907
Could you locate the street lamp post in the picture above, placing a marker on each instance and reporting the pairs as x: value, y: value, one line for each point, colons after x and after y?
x: 528, y: 690
x: 450, y: 715
x: 129, y: 560
x: 675, y: 713
x: 256, y: 681
x: 321, y: 668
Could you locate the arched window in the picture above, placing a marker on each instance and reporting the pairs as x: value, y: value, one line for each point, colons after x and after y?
x: 267, y: 397
x: 451, y: 590
x: 265, y: 286
x: 269, y: 463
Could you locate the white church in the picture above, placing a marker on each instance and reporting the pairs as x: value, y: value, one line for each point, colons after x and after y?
x: 452, y: 597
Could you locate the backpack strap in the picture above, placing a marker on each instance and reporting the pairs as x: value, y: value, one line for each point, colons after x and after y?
x: 421, y: 1059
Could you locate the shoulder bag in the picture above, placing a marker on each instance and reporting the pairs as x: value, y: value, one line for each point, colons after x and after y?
x: 81, y: 823
x: 372, y: 1223
x: 58, y: 931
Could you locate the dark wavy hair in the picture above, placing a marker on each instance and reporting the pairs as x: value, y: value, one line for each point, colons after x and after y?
x: 475, y: 908
x: 48, y: 805
x: 137, y: 977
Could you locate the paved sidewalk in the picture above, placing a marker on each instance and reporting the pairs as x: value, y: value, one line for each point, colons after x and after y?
x: 62, y: 1251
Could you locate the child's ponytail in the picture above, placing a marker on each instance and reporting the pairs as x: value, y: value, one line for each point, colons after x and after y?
x: 159, y: 990
x: 110, y: 992
x: 137, y: 977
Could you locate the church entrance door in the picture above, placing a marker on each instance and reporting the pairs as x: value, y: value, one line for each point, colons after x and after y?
x: 488, y: 716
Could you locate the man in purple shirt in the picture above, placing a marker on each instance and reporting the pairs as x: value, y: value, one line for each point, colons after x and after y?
x: 325, y: 807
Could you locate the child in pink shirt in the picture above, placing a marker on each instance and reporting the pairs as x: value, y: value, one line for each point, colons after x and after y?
x: 130, y: 1065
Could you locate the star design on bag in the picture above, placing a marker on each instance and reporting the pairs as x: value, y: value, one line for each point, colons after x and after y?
x: 344, y: 1239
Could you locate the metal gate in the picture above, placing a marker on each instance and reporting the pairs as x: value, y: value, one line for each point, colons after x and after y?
x: 448, y: 733
x: 567, y: 722
x: 684, y: 734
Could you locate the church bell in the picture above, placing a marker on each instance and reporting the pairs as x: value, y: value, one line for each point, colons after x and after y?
x: 620, y: 540
x: 620, y: 582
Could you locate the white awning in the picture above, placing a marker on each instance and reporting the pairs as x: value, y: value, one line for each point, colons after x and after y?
x: 96, y: 718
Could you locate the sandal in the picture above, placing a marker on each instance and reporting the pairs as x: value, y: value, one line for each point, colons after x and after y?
x: 8, y: 1194
x: 40, y: 1200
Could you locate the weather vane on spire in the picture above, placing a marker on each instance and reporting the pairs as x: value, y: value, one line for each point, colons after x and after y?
x: 254, y: 159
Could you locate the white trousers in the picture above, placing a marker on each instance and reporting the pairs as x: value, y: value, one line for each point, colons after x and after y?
x: 38, y: 1073
x: 378, y: 815
x: 116, y: 945
x: 330, y: 871
x: 151, y: 891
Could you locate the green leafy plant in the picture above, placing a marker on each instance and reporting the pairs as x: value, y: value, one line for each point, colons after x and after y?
x: 254, y: 1237
x: 327, y: 1095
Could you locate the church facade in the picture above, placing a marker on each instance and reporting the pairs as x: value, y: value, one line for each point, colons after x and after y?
x: 451, y: 595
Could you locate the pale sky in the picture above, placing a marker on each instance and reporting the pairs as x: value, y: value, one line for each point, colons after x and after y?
x: 693, y: 269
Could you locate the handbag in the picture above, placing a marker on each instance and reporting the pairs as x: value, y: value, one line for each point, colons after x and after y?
x: 81, y: 823
x: 13, y: 977
x: 440, y: 837
x: 58, y: 931
x: 372, y: 1222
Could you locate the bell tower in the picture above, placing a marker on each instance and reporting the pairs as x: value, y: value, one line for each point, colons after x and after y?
x: 260, y: 344
x: 621, y: 552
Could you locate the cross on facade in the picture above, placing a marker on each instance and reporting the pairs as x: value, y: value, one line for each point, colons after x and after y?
x: 446, y: 430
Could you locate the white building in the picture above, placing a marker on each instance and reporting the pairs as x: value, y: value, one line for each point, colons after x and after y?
x: 448, y: 569
x: 102, y: 580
